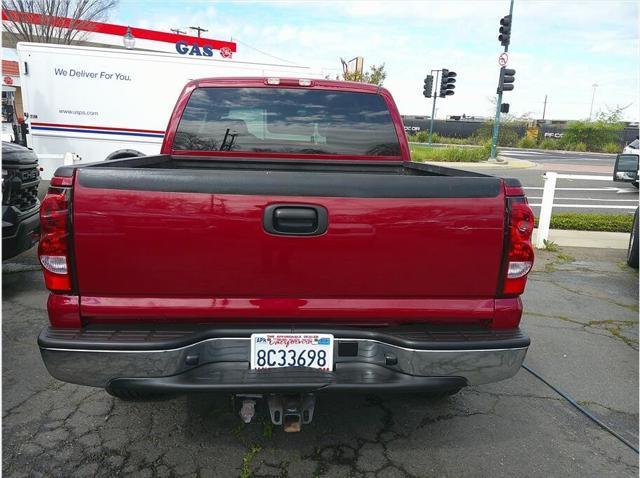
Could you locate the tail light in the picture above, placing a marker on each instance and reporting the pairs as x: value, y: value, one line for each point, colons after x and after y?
x: 518, y: 248
x: 55, y: 228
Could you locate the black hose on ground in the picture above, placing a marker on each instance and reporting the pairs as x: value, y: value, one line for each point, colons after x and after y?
x: 581, y: 409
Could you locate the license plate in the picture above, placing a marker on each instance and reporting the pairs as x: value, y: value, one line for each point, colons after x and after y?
x: 292, y: 350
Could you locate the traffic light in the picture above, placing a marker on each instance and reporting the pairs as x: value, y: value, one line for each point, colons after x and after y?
x: 505, y: 30
x: 504, y: 108
x: 447, y: 83
x: 428, y: 86
x: 507, y: 77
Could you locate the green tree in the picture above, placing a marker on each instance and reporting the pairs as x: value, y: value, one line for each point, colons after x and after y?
x: 611, y: 116
x: 376, y: 75
x: 510, y: 132
x: 50, y: 29
x: 595, y: 135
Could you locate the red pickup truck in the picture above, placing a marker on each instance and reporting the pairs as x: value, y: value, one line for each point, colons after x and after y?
x: 281, y: 245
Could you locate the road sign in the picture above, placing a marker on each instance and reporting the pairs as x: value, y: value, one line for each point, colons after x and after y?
x: 503, y: 59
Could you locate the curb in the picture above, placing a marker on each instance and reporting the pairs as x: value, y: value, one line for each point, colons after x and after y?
x: 594, y: 239
x: 514, y: 148
x: 558, y: 151
x: 444, y: 145
x: 505, y: 163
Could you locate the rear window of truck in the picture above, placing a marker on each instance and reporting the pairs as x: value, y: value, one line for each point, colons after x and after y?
x: 281, y: 120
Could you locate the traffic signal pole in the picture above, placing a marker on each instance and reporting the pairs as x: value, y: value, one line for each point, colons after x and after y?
x: 496, y: 123
x: 433, y: 108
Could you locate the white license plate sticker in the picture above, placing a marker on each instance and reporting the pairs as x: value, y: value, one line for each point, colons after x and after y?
x: 292, y: 350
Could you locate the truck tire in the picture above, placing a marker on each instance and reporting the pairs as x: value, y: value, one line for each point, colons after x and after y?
x: 632, y: 250
x: 123, y: 153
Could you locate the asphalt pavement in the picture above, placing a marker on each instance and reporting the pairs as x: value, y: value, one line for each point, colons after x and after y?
x: 581, y: 311
x: 572, y: 195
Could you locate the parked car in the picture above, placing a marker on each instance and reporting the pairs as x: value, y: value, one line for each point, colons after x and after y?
x: 632, y: 148
x: 20, y: 204
x: 626, y: 168
x: 283, y: 245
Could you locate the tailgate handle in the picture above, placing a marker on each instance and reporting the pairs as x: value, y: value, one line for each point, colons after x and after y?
x: 295, y: 219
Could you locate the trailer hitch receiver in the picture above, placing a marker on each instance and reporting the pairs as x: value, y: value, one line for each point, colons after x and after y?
x: 291, y: 411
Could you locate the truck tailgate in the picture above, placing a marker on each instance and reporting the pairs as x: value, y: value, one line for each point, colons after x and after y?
x: 192, y: 245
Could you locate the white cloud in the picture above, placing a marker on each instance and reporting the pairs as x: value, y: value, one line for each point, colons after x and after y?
x: 558, y: 48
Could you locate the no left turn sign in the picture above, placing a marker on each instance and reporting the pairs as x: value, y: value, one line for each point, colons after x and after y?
x: 503, y: 59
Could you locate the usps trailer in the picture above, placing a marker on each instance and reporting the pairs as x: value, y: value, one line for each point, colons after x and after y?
x: 90, y: 104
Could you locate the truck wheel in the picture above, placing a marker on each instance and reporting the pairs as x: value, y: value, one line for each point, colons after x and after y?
x: 123, y: 153
x: 129, y: 395
x: 632, y: 251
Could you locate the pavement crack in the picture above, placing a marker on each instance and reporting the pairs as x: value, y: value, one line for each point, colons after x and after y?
x: 588, y: 403
x: 446, y: 416
x: 591, y: 295
x: 514, y: 395
x: 612, y: 326
x: 54, y: 386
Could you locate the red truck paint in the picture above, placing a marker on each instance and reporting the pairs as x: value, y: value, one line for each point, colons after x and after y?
x: 259, y: 265
x: 64, y: 311
x: 135, y: 263
x: 167, y: 273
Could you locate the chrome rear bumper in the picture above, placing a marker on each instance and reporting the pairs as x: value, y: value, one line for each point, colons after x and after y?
x: 201, y: 361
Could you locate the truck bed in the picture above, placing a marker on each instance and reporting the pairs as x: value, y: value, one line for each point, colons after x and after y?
x: 206, y: 163
x: 185, y: 239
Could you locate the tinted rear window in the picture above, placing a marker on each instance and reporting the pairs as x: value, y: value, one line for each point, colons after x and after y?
x: 628, y: 162
x: 287, y: 121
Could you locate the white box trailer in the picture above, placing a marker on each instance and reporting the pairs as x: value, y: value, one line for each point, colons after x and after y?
x: 90, y: 104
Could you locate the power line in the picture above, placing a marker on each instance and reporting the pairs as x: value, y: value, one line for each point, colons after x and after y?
x: 262, y: 52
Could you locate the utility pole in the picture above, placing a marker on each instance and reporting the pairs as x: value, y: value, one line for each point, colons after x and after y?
x: 595, y: 85
x: 544, y: 109
x: 496, y: 124
x: 177, y: 31
x: 199, y: 30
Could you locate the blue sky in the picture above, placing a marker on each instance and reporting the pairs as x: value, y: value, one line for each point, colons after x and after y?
x: 558, y: 48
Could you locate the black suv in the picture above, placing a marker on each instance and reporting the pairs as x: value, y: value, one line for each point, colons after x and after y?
x: 20, y: 204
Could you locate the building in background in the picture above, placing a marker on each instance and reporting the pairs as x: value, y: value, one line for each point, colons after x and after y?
x: 11, y: 100
x: 98, y: 34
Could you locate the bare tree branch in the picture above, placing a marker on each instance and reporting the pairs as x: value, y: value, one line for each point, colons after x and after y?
x: 60, y: 21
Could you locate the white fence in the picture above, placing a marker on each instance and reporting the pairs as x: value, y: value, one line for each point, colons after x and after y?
x: 548, y: 193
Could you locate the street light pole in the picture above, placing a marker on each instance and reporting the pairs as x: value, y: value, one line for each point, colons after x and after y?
x: 496, y: 123
x: 595, y: 85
